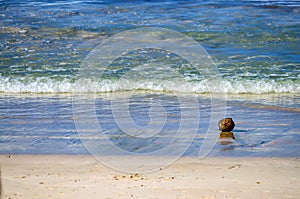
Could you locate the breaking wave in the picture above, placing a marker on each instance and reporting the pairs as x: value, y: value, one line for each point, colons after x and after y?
x: 234, y: 86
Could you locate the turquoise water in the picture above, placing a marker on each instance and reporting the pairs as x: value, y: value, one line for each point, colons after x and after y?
x: 254, y: 44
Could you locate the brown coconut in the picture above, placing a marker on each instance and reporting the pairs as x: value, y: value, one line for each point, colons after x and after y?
x: 226, y: 125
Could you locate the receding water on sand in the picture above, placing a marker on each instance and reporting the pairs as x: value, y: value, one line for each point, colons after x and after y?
x: 44, y: 124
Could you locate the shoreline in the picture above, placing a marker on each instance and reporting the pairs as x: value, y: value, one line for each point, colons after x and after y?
x: 82, y: 176
x: 228, y: 96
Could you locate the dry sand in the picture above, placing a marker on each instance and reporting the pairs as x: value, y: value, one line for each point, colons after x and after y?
x: 60, y: 176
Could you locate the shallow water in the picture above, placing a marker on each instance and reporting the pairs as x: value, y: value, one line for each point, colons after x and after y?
x: 254, y: 43
x: 44, y: 124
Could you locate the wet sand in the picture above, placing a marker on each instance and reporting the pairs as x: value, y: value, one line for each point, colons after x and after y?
x: 61, y: 176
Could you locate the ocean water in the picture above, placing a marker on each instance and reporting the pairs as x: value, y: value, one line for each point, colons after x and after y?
x: 149, y: 101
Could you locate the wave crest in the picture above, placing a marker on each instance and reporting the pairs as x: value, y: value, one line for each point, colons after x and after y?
x: 230, y: 86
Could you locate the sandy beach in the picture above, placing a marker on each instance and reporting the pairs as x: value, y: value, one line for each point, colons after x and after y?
x: 62, y: 176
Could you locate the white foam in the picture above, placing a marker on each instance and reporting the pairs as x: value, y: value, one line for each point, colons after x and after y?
x: 44, y: 85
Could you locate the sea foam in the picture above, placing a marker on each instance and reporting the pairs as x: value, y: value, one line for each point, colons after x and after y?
x: 233, y: 86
